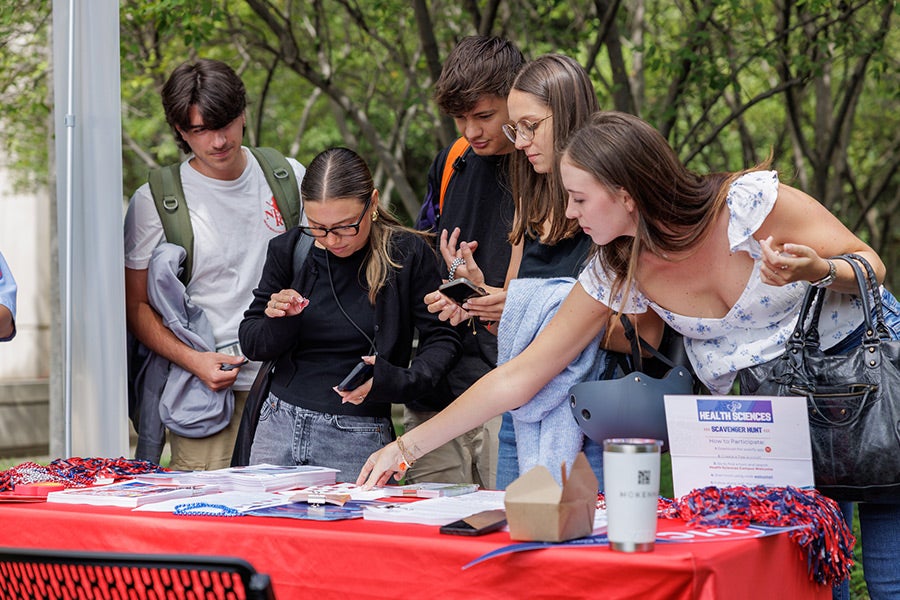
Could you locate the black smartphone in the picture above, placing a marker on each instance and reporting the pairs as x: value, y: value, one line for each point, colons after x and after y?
x: 360, y: 373
x: 461, y: 289
x: 232, y: 366
x: 477, y: 524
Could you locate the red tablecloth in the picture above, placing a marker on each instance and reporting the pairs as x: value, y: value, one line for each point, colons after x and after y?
x: 364, y: 559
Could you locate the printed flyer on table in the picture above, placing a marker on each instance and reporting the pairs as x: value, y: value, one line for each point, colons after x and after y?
x: 738, y: 440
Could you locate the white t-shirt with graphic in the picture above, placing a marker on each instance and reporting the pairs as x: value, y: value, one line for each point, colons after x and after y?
x: 233, y: 222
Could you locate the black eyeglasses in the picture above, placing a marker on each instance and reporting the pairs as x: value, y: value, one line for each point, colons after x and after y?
x: 340, y: 230
x: 523, y: 129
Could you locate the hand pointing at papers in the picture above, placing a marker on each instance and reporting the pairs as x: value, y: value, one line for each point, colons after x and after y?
x: 381, y: 465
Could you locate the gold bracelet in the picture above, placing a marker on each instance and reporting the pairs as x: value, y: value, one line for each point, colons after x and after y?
x: 407, y: 462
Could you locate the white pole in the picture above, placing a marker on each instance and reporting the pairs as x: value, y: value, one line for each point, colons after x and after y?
x: 70, y: 154
x: 92, y: 411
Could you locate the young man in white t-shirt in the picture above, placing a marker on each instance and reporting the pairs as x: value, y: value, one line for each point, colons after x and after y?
x: 233, y: 216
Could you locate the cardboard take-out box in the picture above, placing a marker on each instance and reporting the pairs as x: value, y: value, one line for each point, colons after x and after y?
x: 538, y: 509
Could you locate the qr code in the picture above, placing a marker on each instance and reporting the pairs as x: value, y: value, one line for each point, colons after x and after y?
x: 643, y: 477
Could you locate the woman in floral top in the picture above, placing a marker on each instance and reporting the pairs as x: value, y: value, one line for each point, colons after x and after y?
x: 723, y: 258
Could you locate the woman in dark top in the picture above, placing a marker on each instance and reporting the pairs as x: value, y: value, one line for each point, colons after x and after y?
x: 357, y: 296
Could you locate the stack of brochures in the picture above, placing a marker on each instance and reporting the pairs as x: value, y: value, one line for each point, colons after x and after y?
x: 253, y: 478
x: 241, y: 502
x: 269, y: 478
x: 128, y: 493
x: 435, y: 511
x: 430, y: 490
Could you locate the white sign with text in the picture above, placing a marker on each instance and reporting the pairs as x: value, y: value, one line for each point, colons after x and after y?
x: 738, y: 440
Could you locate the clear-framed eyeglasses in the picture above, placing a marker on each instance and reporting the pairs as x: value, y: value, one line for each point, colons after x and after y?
x: 340, y: 230
x: 524, y: 129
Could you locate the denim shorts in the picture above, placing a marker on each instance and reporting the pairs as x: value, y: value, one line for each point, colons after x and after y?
x: 290, y: 435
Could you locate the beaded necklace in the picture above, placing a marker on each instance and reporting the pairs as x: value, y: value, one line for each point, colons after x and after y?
x: 826, y: 539
x: 205, y: 509
x: 75, y: 471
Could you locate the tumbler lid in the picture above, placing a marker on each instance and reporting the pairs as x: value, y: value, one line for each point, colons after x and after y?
x: 632, y: 445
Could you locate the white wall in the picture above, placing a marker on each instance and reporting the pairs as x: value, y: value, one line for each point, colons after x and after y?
x: 25, y: 243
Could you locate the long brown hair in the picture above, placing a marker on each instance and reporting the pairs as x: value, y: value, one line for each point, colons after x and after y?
x: 564, y: 87
x: 675, y: 207
x: 340, y: 173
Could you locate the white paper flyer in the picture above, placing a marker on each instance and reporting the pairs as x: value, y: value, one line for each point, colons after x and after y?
x: 738, y: 440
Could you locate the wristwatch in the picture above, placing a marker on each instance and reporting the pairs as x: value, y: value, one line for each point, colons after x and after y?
x: 829, y: 277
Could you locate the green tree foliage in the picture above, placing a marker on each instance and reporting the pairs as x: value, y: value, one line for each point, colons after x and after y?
x: 25, y: 84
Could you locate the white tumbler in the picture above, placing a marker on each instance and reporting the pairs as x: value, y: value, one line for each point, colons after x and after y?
x: 631, y: 488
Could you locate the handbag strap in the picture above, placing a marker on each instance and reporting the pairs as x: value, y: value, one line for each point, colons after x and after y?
x: 868, y: 295
x: 806, y: 332
x: 637, y: 342
x: 875, y: 291
x: 259, y: 390
x: 811, y: 336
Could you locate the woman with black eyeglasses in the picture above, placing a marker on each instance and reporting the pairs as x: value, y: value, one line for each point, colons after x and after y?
x: 356, y: 297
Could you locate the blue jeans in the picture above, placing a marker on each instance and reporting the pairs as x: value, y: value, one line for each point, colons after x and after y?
x: 879, y: 524
x: 290, y: 435
x: 508, y: 457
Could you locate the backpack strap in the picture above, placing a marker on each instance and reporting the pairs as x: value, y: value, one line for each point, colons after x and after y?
x: 283, y: 183
x: 301, y: 250
x: 168, y: 196
x: 458, y: 148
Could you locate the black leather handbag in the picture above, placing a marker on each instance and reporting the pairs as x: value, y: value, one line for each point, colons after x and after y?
x: 627, y: 402
x: 853, y: 399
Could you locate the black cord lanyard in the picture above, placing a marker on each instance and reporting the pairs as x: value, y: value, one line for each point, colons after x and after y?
x: 372, y: 348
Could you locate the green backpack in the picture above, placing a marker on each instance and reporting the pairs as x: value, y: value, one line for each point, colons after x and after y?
x: 168, y: 195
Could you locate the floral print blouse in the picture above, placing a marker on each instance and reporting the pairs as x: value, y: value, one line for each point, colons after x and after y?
x: 760, y: 322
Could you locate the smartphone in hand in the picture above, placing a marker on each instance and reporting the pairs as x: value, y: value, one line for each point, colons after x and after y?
x: 477, y: 524
x: 233, y: 366
x: 358, y: 376
x: 461, y: 289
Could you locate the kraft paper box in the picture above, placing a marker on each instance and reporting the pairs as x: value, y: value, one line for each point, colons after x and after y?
x: 538, y: 509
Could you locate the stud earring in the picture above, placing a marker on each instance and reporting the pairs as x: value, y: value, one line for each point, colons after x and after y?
x: 375, y: 215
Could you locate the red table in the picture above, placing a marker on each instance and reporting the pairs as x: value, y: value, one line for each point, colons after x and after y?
x: 365, y: 559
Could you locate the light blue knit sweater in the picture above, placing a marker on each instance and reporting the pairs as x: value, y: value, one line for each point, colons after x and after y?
x: 546, y: 432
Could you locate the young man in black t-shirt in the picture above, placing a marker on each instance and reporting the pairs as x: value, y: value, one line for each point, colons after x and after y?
x: 472, y: 89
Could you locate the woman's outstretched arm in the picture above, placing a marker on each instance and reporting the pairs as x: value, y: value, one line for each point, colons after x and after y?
x: 576, y: 324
